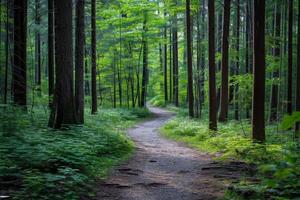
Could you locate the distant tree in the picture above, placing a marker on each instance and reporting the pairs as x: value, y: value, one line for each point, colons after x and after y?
x: 63, y: 109
x: 224, y: 66
x: 290, y: 57
x: 211, y: 67
x: 145, y: 62
x: 51, y: 50
x: 258, y: 105
x: 165, y: 60
x: 94, y: 64
x: 175, y: 59
x: 298, y: 71
x: 19, y: 85
x: 275, y: 74
x: 79, y: 61
x: 38, y: 61
x: 189, y: 59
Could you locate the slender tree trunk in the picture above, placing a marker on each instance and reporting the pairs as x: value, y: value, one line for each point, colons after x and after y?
x: 247, y: 52
x: 79, y: 62
x: 275, y: 75
x: 171, y: 65
x: 165, y: 63
x: 189, y: 59
x: 224, y: 67
x: 38, y: 46
x: 94, y: 64
x: 258, y: 104
x: 237, y: 65
x: 290, y: 58
x: 211, y: 67
x: 297, y: 128
x: 7, y: 42
x: 51, y: 50
x: 19, y: 68
x: 145, y: 63
x: 63, y: 109
x: 175, y: 61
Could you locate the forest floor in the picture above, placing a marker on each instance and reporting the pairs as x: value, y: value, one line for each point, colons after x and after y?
x: 162, y: 169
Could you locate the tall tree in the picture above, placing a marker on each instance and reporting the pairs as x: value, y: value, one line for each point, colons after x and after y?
x: 165, y: 61
x: 211, y: 67
x: 290, y: 58
x: 63, y: 109
x: 94, y: 61
x: 237, y: 63
x: 175, y: 59
x: 145, y: 62
x: 19, y: 67
x: 275, y: 74
x: 258, y: 99
x: 224, y: 66
x: 51, y: 50
x: 189, y: 59
x: 38, y: 45
x: 298, y: 72
x: 79, y: 61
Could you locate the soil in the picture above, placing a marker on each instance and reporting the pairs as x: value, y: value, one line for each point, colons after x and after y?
x: 161, y: 169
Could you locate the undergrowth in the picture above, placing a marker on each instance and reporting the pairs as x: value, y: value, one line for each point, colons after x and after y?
x: 278, y: 161
x: 41, y: 163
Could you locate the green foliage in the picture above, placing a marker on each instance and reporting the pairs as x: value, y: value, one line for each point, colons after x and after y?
x: 278, y: 163
x: 40, y: 163
x: 290, y: 120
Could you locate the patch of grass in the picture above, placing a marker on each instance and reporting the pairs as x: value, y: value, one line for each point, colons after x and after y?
x: 278, y: 160
x: 41, y: 163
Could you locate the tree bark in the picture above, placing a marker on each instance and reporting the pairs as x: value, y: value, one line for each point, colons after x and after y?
x: 290, y: 58
x: 189, y: 59
x: 297, y: 128
x: 145, y: 63
x: 37, y: 46
x: 224, y: 67
x: 79, y: 62
x: 19, y: 84
x: 275, y: 74
x: 211, y: 67
x: 258, y: 104
x: 237, y: 65
x: 175, y: 60
x: 51, y: 48
x: 94, y: 62
x: 165, y: 63
x: 63, y: 109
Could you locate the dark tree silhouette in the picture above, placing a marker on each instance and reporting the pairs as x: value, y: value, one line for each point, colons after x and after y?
x: 258, y: 104
x: 63, y: 109
x: 211, y: 67
x: 94, y: 61
x: 19, y: 69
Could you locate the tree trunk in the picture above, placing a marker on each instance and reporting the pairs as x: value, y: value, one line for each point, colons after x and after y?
x: 275, y: 75
x: 224, y: 67
x: 211, y: 67
x: 258, y: 104
x: 145, y: 63
x: 237, y: 65
x: 94, y: 64
x: 165, y: 63
x: 63, y: 109
x: 290, y: 58
x: 7, y: 52
x: 297, y: 128
x: 175, y: 61
x: 79, y: 62
x: 50, y: 50
x: 189, y: 59
x: 19, y: 67
x: 38, y: 46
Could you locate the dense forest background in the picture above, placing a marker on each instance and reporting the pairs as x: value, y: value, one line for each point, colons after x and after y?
x: 218, y: 63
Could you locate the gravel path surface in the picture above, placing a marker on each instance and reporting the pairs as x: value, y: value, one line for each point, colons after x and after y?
x: 161, y: 169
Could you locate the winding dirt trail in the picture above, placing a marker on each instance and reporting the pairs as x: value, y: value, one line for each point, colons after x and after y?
x: 161, y: 169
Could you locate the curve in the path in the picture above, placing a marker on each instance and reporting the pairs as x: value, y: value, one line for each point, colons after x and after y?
x: 160, y: 169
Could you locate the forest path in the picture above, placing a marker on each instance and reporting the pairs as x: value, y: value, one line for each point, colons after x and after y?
x: 161, y: 169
